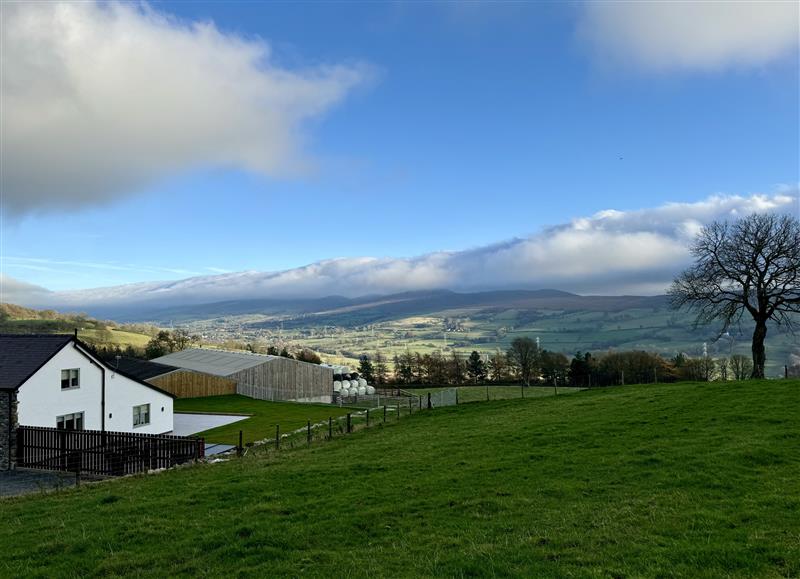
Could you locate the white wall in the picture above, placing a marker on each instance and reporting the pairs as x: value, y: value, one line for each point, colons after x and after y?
x: 122, y: 394
x: 41, y: 398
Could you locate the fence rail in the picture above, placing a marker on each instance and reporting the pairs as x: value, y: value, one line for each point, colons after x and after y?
x: 103, y: 453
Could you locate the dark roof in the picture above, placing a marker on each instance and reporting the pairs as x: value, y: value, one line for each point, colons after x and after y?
x: 21, y: 355
x: 140, y: 369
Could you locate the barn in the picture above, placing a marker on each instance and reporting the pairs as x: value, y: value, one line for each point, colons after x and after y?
x: 258, y: 375
x: 179, y: 382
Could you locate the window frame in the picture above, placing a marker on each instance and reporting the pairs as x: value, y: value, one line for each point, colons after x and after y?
x: 138, y: 414
x: 73, y: 378
x: 73, y: 417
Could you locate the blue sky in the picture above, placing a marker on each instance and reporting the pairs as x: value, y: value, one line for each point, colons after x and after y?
x: 467, y: 125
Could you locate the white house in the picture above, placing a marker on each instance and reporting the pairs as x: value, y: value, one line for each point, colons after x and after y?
x: 59, y: 383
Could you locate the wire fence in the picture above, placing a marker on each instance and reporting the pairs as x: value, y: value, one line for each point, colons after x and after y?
x: 367, y: 413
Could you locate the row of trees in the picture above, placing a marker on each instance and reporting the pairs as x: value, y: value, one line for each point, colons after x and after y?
x: 526, y: 363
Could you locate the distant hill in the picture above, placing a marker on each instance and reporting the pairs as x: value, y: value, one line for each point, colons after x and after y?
x: 338, y: 310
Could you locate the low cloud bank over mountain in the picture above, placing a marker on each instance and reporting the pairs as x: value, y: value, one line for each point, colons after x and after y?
x: 611, y: 252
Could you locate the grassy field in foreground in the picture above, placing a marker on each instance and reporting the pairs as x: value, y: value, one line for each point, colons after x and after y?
x: 684, y: 480
x: 265, y: 415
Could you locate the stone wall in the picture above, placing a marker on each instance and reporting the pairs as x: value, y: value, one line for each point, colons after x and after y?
x: 8, y: 429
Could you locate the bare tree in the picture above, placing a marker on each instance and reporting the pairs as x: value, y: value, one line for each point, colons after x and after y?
x: 751, y: 266
x: 524, y: 357
x: 741, y: 366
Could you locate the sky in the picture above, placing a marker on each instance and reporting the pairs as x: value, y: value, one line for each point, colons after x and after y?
x: 385, y: 146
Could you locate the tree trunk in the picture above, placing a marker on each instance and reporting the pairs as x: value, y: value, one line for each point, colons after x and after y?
x: 759, y: 353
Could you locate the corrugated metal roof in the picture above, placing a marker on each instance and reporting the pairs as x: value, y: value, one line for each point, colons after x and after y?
x: 140, y: 369
x: 217, y: 362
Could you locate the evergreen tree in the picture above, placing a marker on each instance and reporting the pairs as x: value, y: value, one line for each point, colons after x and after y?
x: 366, y: 369
x: 476, y: 369
x: 381, y: 369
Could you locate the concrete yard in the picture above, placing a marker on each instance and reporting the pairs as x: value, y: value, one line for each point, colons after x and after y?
x: 187, y: 424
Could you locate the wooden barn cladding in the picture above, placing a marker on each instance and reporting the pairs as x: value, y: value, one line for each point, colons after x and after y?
x: 257, y: 375
x: 285, y: 379
x: 189, y: 384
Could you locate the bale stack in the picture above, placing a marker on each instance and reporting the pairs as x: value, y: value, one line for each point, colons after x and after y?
x: 348, y: 384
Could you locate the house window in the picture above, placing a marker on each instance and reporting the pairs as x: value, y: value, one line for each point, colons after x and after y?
x: 70, y: 379
x: 141, y: 415
x: 72, y: 421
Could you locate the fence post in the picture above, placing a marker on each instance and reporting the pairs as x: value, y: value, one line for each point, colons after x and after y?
x: 429, y: 401
x: 456, y: 396
x: 63, y: 448
x: 398, y: 411
x: 21, y: 447
x: 522, y: 389
x: 330, y: 427
x: 277, y: 437
x: 410, y: 411
x: 240, y: 449
x: 419, y: 399
x: 349, y: 427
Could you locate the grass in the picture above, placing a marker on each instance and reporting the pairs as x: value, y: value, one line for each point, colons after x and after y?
x: 115, y: 338
x: 480, y: 393
x: 265, y: 415
x: 685, y: 480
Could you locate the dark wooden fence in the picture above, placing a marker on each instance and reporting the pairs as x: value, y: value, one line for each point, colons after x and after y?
x: 103, y: 453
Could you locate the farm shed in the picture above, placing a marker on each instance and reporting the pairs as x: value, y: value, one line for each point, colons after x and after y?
x: 180, y: 382
x: 257, y: 375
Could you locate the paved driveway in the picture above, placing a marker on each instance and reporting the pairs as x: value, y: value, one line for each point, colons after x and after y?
x: 23, y: 481
x: 186, y: 424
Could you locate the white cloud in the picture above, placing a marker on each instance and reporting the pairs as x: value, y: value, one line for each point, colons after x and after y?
x: 699, y: 35
x: 14, y: 291
x: 100, y: 100
x: 612, y: 252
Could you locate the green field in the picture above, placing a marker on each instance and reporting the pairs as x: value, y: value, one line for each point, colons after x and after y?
x: 265, y: 415
x: 682, y: 480
x: 115, y: 338
x: 483, y: 393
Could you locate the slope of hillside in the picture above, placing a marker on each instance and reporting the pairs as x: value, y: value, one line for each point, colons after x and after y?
x: 681, y: 480
x: 20, y: 320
